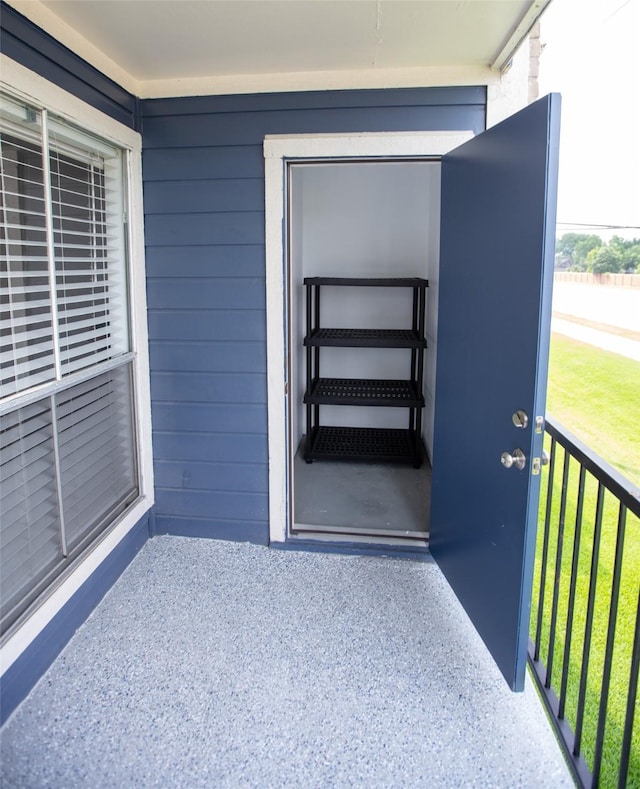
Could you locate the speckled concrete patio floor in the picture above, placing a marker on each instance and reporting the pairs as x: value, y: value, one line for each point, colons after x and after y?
x: 213, y: 664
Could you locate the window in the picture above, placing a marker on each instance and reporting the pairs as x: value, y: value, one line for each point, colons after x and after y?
x: 68, y: 450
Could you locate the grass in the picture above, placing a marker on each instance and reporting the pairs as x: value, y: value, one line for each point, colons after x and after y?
x: 594, y: 394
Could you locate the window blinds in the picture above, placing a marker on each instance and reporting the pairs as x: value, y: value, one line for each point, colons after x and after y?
x: 95, y: 438
x: 26, y: 344
x: 93, y: 428
x: 68, y: 459
x: 30, y: 541
x: 82, y: 189
x: 88, y: 250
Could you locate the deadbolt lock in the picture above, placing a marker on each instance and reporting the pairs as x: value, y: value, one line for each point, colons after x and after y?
x: 517, y: 459
x: 520, y: 419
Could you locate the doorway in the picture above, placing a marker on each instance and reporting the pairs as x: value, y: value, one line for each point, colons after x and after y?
x: 311, y: 164
x: 361, y: 219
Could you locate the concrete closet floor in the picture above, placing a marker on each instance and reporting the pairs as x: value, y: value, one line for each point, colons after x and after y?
x: 383, y: 499
x: 217, y: 664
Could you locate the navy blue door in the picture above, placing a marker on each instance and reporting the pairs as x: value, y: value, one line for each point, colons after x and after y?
x: 496, y: 272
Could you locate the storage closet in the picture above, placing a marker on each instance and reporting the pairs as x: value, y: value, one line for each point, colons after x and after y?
x: 363, y: 246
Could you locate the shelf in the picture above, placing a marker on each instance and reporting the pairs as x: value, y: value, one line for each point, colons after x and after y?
x: 365, y: 338
x: 362, y: 391
x: 369, y: 282
x: 365, y: 443
x: 381, y: 445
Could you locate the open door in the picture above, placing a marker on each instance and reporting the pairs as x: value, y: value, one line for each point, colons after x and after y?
x: 496, y: 273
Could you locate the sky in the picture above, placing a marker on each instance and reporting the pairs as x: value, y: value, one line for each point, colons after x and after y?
x: 591, y: 56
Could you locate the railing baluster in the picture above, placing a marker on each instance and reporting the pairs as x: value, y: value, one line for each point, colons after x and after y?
x: 586, y: 647
x: 545, y: 549
x: 608, y: 655
x: 558, y: 568
x: 572, y: 594
x: 631, y: 702
x: 592, y: 726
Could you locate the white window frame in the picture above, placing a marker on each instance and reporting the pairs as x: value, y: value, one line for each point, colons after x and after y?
x: 22, y: 83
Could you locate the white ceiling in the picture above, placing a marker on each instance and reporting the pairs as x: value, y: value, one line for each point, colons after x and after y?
x: 154, y: 46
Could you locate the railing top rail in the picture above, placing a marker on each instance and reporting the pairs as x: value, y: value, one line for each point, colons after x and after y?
x: 613, y: 480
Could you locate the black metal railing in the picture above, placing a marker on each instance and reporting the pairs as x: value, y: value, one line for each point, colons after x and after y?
x: 585, y: 626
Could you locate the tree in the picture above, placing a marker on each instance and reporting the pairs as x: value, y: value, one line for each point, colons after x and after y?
x: 579, y: 265
x: 629, y: 252
x: 566, y: 244
x: 587, y: 252
x: 585, y: 244
x: 631, y: 258
x: 572, y: 250
x: 603, y: 260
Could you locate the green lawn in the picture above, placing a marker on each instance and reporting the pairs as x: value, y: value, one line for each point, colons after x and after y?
x: 595, y: 395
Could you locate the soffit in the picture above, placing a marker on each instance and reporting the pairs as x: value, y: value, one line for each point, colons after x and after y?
x: 149, y: 41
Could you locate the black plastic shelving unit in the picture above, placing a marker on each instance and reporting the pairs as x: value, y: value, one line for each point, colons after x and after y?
x: 380, y: 445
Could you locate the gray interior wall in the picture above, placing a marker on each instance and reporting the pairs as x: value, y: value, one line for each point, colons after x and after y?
x: 377, y: 219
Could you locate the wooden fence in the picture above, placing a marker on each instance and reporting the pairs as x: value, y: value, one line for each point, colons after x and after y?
x: 611, y: 280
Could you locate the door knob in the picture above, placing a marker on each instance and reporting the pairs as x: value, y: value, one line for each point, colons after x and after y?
x: 516, y: 458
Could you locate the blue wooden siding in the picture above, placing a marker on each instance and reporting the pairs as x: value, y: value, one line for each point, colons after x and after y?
x: 204, y: 228
x: 30, y: 46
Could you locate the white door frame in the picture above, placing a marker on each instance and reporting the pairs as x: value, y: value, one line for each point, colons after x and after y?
x: 278, y: 150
